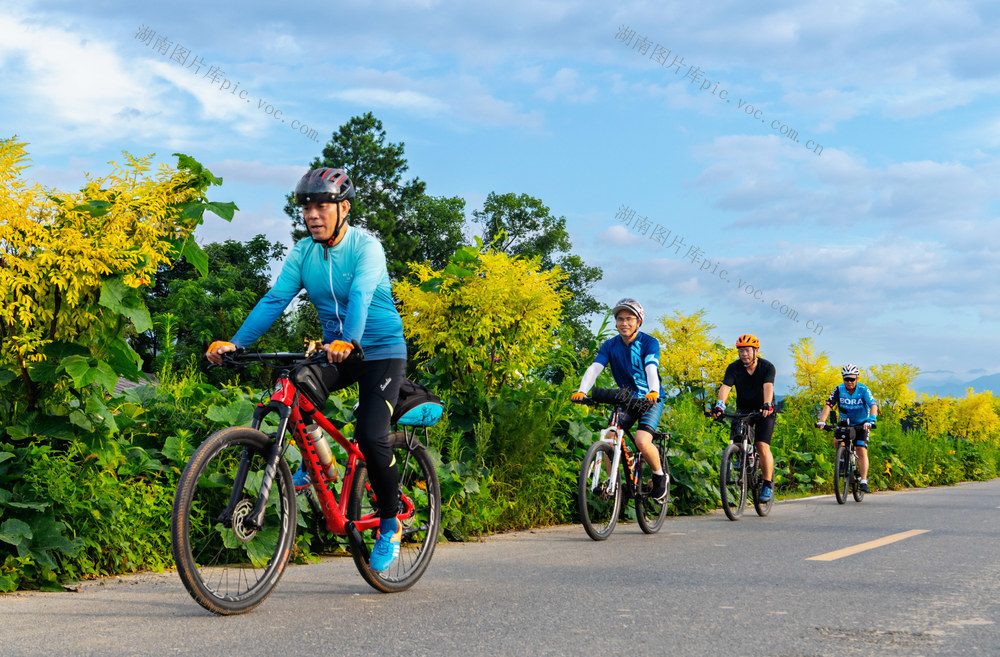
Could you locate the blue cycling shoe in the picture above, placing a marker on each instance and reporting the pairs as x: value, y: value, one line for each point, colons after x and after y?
x: 386, y: 549
x: 766, y: 493
x: 300, y: 478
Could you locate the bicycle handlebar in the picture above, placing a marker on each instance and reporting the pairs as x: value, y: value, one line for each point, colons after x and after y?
x: 615, y: 397
x: 238, y: 357
x: 736, y: 416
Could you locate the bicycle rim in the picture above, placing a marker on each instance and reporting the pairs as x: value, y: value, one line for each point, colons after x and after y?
x: 227, y: 566
x: 733, y: 482
x: 598, y: 508
x: 650, y: 513
x: 840, y: 475
x: 419, y: 483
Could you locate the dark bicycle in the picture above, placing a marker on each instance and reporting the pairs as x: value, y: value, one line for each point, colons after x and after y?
x: 235, y: 512
x: 601, y: 487
x: 739, y: 471
x: 846, y: 475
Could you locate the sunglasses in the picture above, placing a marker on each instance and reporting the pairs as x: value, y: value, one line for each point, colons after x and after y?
x: 852, y: 380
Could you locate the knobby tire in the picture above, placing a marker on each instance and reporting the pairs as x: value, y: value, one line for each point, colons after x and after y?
x: 733, y: 481
x: 650, y: 513
x: 841, y: 463
x: 762, y: 508
x: 856, y: 484
x: 418, y: 480
x: 227, y: 566
x: 598, y: 509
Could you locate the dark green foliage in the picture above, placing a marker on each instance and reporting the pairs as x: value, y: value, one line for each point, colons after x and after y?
x: 201, y: 309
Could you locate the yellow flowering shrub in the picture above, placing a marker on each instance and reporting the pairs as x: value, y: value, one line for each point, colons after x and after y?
x: 488, y: 318
x: 70, y: 263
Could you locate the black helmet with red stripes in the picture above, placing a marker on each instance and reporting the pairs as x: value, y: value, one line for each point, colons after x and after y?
x: 324, y: 186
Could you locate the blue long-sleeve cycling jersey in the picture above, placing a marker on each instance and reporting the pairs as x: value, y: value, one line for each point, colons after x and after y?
x: 348, y: 284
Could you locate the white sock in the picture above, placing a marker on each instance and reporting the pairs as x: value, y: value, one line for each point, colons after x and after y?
x: 659, y: 472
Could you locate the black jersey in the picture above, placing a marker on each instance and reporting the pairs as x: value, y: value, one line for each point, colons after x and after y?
x: 749, y: 388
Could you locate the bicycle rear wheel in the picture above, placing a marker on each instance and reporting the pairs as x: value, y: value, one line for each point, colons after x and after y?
x: 856, y: 484
x: 599, y: 508
x: 418, y: 481
x: 840, y: 465
x: 650, y: 513
x: 733, y: 481
x: 228, y: 566
x: 762, y: 508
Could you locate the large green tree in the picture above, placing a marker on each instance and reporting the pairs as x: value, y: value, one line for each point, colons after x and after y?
x: 521, y: 225
x: 412, y: 226
x: 211, y: 307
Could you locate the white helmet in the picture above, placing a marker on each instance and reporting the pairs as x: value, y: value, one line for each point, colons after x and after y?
x: 630, y: 305
x: 850, y: 370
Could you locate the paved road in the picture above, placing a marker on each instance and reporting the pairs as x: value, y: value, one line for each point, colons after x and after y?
x: 703, y: 586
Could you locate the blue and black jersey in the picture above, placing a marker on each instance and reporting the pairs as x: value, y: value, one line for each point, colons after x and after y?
x: 628, y: 361
x: 853, y: 407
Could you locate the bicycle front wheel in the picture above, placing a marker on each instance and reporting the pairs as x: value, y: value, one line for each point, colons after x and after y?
x: 228, y: 565
x: 599, y: 505
x: 651, y: 513
x: 418, y: 481
x: 840, y: 465
x: 733, y: 482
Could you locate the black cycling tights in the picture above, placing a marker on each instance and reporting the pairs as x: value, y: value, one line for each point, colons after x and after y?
x: 378, y: 388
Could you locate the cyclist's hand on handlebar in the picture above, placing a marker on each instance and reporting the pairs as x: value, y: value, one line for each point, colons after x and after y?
x: 652, y: 396
x: 821, y: 425
x: 216, y: 349
x: 767, y: 409
x: 868, y: 426
x: 337, y: 351
x: 576, y: 396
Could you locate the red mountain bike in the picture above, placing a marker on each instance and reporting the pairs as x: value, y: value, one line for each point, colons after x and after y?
x: 235, y: 511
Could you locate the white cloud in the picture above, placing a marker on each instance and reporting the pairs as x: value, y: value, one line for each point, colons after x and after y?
x: 379, y: 98
x: 566, y: 84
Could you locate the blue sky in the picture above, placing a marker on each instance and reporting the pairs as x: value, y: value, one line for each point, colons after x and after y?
x: 878, y: 219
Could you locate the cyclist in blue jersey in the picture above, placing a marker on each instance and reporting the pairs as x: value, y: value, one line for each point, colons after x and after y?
x: 857, y: 405
x: 634, y: 358
x: 753, y: 378
x: 343, y: 269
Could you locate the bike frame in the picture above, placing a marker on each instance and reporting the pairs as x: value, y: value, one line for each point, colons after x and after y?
x: 620, y: 445
x: 741, y: 432
x: 848, y: 436
x: 293, y: 410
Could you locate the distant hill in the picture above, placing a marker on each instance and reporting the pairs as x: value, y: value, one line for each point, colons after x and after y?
x: 957, y: 388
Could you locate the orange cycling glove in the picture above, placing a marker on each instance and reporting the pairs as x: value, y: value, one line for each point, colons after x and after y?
x: 652, y: 396
x: 578, y: 395
x: 340, y: 345
x: 218, y: 343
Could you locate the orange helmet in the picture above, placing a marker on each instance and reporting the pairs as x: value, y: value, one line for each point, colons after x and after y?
x: 747, y: 340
